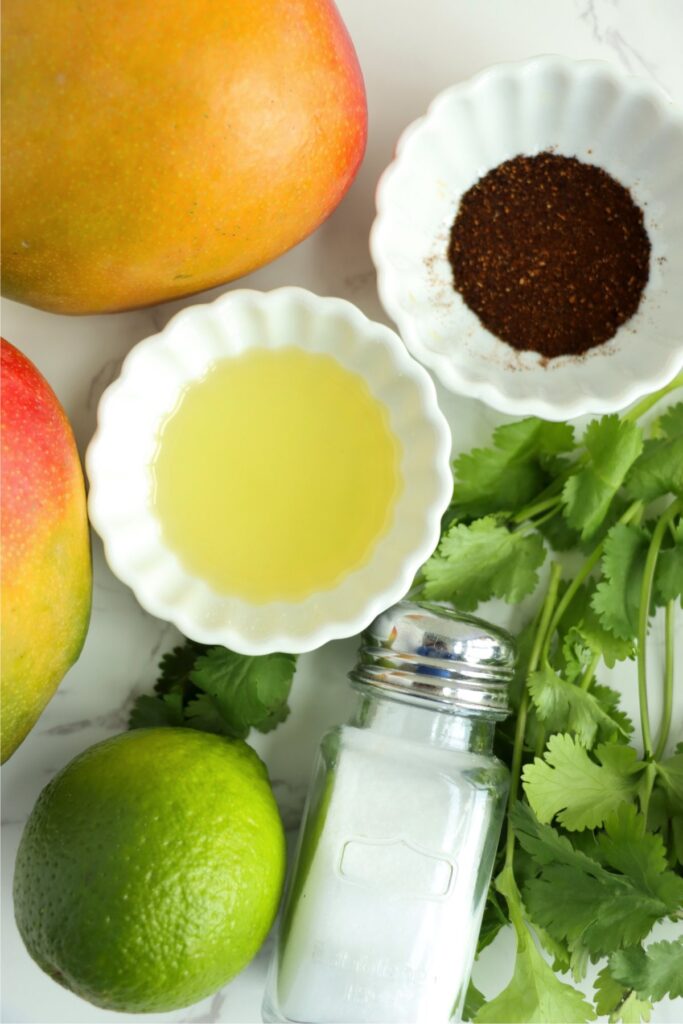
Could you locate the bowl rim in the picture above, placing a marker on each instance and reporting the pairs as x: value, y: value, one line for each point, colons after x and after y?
x: 456, y: 377
x: 332, y: 628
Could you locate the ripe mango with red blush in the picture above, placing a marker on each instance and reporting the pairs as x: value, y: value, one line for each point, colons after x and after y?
x: 46, y: 568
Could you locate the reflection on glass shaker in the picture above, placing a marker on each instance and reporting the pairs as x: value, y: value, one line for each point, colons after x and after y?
x: 384, y: 905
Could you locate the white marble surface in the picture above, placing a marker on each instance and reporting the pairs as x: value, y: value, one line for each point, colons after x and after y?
x: 409, y: 51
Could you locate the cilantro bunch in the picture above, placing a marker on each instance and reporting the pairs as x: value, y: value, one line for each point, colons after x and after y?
x: 592, y: 853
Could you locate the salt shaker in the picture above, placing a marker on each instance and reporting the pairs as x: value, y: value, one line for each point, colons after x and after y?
x: 396, y: 849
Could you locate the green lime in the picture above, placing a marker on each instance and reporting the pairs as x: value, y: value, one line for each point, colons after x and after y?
x: 150, y: 870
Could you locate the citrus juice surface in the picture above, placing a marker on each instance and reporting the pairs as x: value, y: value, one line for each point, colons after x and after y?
x: 275, y: 475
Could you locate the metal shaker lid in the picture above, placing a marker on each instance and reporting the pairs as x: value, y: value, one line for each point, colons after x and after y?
x: 422, y: 652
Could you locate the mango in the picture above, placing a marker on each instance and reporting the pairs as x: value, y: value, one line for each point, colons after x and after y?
x: 46, y: 569
x: 154, y: 149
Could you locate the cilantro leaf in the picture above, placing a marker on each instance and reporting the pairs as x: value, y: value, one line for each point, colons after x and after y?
x: 216, y: 690
x: 612, y: 444
x: 625, y: 846
x: 566, y: 783
x: 669, y: 569
x: 535, y: 995
x: 563, y: 706
x: 609, y: 699
x: 559, y: 533
x: 670, y: 423
x: 483, y: 560
x: 545, y: 845
x: 574, y: 656
x: 631, y: 1010
x: 582, y: 617
x: 654, y: 972
x: 562, y: 957
x: 617, y: 597
x: 619, y: 1001
x: 248, y: 691
x: 583, y: 636
x: 175, y: 667
x: 203, y: 713
x: 670, y: 773
x: 152, y: 711
x: 580, y: 901
x: 677, y: 838
x: 493, y: 920
x: 659, y: 469
x: 510, y: 473
x: 608, y: 992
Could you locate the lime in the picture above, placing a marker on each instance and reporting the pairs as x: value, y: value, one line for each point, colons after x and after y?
x: 150, y: 870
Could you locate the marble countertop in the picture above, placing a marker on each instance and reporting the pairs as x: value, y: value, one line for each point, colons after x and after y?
x: 408, y: 52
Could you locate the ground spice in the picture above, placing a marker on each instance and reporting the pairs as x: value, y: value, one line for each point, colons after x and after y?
x: 551, y: 254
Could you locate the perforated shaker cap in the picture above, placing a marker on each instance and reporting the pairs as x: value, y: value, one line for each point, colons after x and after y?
x: 422, y: 652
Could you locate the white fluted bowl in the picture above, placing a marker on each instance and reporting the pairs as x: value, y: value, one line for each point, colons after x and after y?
x: 153, y: 376
x: 586, y: 109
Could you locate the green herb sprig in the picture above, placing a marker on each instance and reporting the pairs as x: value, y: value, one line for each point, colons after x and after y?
x: 216, y: 690
x: 592, y: 853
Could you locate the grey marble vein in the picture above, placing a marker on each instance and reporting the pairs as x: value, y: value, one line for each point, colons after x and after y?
x: 290, y: 799
x: 105, y: 376
x: 603, y: 19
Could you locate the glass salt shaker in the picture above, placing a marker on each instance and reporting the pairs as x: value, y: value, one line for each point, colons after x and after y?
x: 397, y: 844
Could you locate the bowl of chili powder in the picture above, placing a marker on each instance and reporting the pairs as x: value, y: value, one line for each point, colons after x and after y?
x: 529, y: 238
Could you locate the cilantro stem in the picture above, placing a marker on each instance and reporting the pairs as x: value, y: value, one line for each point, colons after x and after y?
x: 587, y: 677
x: 646, y: 791
x: 644, y: 616
x: 667, y: 709
x: 520, y: 728
x: 568, y: 596
x: 646, y: 403
x: 548, y: 515
x: 532, y: 510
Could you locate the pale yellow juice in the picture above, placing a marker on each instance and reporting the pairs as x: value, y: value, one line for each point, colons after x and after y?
x: 275, y: 475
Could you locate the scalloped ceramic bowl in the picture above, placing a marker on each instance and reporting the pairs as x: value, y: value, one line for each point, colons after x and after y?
x: 152, y: 379
x: 585, y: 109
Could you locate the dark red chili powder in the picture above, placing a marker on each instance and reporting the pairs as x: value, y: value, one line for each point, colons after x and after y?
x: 550, y: 253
